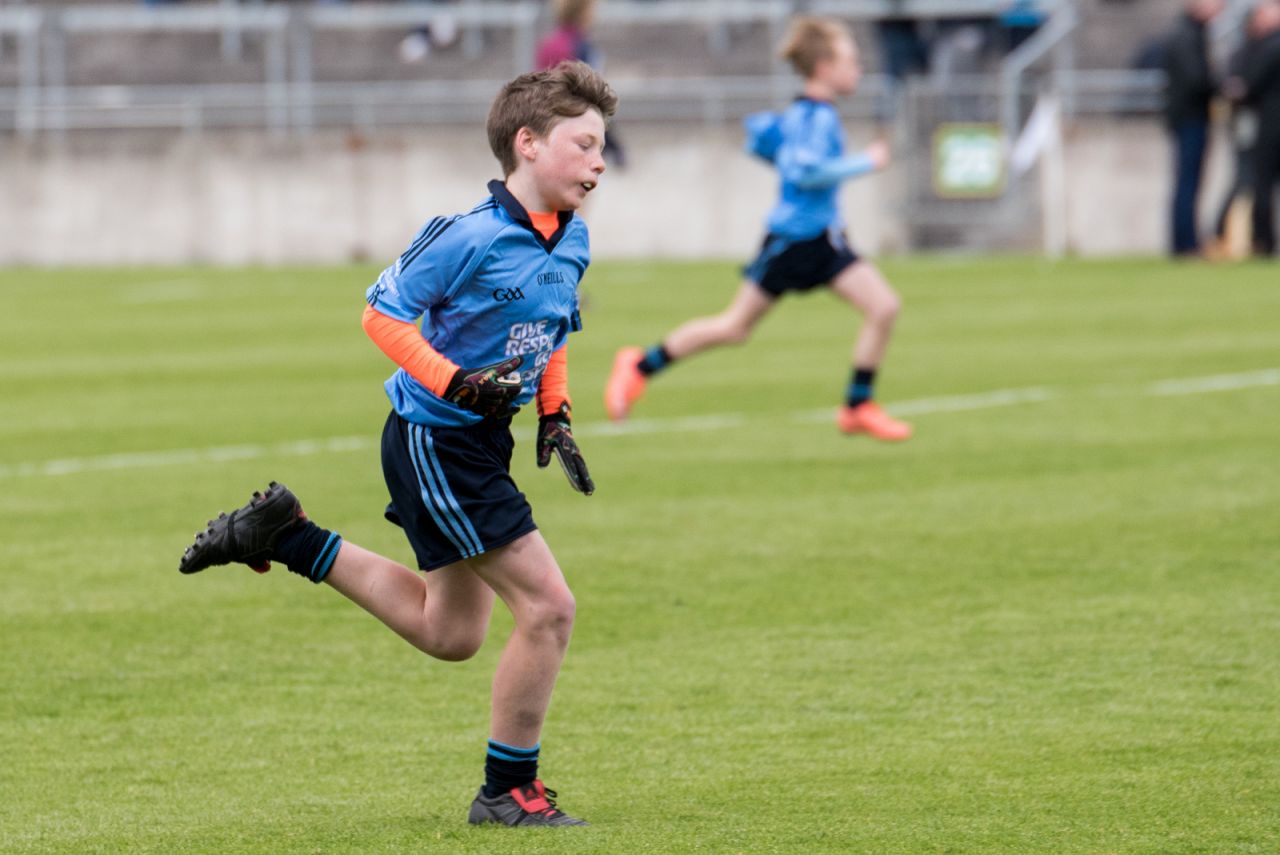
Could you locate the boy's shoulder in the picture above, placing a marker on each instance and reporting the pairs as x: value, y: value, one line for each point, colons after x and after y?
x: 811, y: 109
x: 802, y: 119
x: 486, y: 218
x: 454, y: 235
x: 485, y: 226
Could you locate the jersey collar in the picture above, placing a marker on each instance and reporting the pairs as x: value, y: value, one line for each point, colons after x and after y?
x: 517, y: 212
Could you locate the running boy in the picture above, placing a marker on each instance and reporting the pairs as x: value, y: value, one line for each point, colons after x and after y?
x: 805, y: 246
x: 497, y: 291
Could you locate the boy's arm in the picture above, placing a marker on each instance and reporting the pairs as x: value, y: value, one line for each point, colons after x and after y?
x: 407, y: 348
x: 553, y: 390
x: 816, y: 173
x: 555, y: 436
x: 479, y: 390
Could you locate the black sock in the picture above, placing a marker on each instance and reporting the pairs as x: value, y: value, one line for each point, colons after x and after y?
x: 308, y: 550
x: 655, y: 359
x: 507, y: 767
x: 861, y: 386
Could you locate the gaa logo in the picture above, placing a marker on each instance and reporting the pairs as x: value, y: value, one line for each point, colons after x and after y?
x: 507, y: 295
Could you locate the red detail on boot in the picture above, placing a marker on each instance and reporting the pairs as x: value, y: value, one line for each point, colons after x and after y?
x: 532, y: 798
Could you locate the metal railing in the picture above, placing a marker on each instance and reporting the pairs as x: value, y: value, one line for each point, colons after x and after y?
x: 289, y: 98
x: 1052, y: 39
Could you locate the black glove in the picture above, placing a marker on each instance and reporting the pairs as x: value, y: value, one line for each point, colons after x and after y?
x: 554, y: 435
x: 483, y: 390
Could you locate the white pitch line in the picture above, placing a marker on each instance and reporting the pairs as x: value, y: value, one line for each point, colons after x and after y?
x: 185, y: 456
x: 1215, y: 383
x: 686, y: 424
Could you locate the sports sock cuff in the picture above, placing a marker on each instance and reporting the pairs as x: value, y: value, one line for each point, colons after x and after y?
x: 511, y: 752
x: 860, y: 390
x: 508, y: 766
x: 655, y: 359
x: 861, y: 387
x: 308, y: 550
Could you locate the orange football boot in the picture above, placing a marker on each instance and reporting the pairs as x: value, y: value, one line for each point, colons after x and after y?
x: 626, y: 383
x: 868, y: 418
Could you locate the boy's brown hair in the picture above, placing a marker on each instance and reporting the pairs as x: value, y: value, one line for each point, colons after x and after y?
x: 810, y: 40
x: 539, y: 99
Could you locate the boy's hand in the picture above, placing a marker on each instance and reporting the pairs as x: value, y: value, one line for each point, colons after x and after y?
x: 879, y: 153
x: 554, y: 435
x: 483, y: 390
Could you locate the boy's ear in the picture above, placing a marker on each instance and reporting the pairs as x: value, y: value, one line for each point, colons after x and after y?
x: 524, y: 144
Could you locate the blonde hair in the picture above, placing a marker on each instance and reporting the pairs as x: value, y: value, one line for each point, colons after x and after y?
x: 539, y: 99
x: 574, y: 13
x: 809, y: 41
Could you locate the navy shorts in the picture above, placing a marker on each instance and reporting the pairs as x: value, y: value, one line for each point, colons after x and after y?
x: 785, y: 264
x: 451, y: 489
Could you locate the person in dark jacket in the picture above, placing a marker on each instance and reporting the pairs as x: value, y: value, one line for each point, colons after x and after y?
x: 1189, y: 89
x: 1259, y: 87
x: 1243, y: 131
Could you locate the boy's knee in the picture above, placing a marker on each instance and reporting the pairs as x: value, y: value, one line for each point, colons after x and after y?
x: 887, y: 308
x: 454, y: 641
x: 736, y: 332
x: 553, y: 614
x: 562, y: 610
x: 456, y: 649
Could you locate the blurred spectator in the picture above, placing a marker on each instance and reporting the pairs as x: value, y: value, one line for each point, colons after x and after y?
x: 441, y: 32
x: 1258, y: 86
x: 903, y: 48
x: 904, y: 51
x: 1243, y: 130
x: 570, y: 40
x: 1188, y: 91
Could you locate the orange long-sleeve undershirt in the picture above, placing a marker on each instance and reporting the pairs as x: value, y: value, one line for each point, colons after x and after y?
x: 554, y: 388
x: 404, y: 344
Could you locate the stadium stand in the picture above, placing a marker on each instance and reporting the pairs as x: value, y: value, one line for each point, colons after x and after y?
x: 311, y: 83
x: 706, y: 46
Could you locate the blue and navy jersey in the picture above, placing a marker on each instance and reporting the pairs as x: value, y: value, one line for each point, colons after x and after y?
x: 486, y: 285
x: 809, y: 135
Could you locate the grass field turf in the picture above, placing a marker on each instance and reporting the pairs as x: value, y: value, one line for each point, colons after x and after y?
x: 1047, y: 626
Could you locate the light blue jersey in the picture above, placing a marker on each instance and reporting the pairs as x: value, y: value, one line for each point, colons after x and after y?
x: 806, y: 144
x: 486, y: 285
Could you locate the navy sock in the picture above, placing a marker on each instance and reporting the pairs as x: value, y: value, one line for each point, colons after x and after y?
x: 861, y: 387
x: 655, y: 359
x: 308, y: 550
x: 507, y: 767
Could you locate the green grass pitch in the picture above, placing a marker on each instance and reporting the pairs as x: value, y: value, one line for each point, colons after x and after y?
x: 1050, y: 623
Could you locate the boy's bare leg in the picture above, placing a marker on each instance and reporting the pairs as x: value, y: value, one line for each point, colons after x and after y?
x: 731, y: 326
x: 525, y: 575
x: 862, y: 285
x: 444, y: 613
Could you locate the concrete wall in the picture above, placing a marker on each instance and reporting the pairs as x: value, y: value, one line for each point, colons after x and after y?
x: 333, y: 197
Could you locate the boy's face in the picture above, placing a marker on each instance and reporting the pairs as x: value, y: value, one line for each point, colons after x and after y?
x: 842, y: 70
x: 567, y: 163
